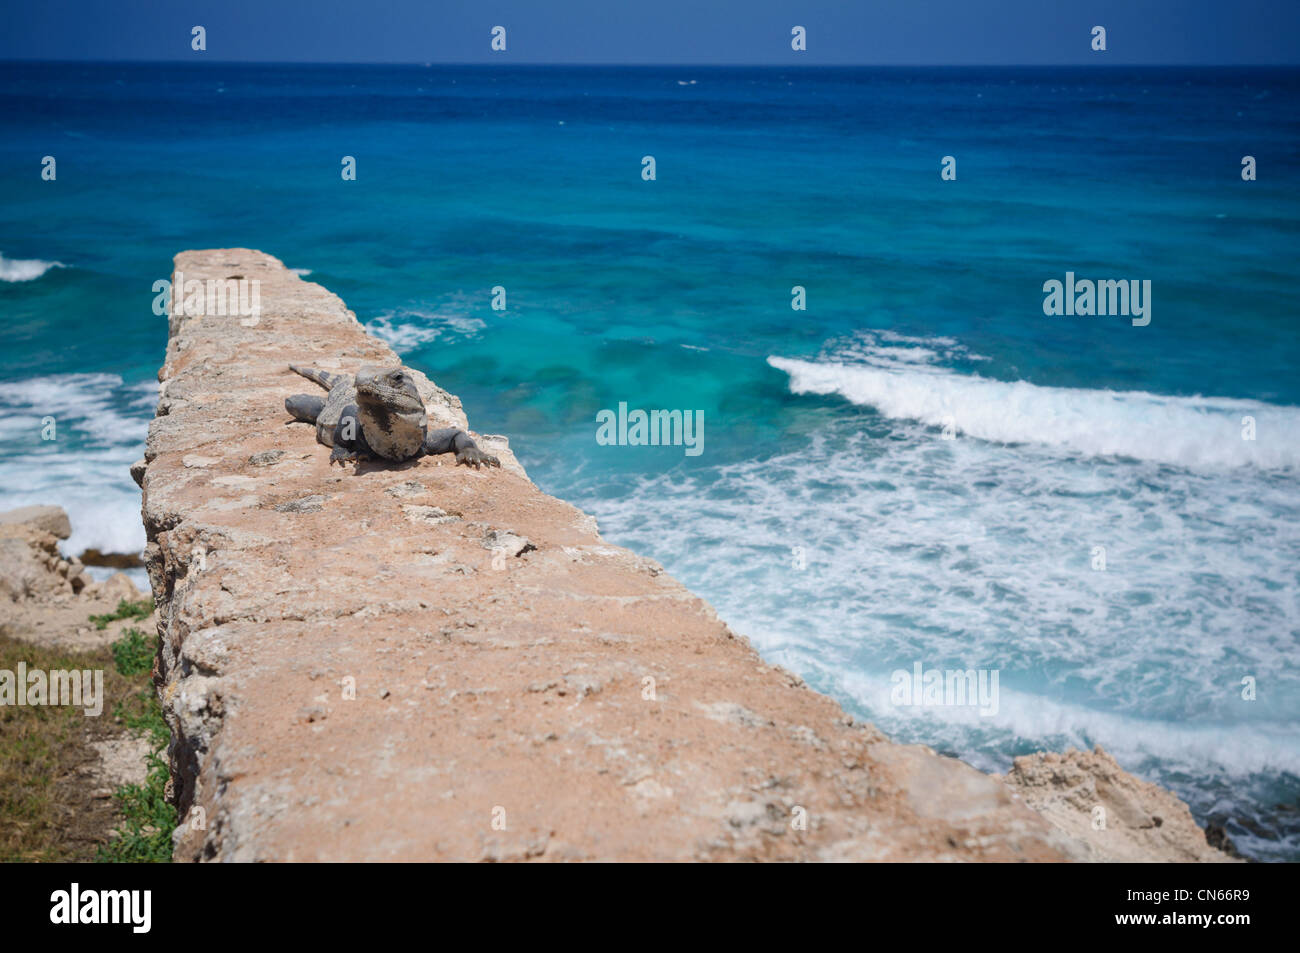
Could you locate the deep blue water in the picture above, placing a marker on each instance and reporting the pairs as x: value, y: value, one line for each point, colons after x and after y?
x: 825, y: 428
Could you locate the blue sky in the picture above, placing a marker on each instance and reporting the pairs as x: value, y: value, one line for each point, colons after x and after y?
x: 891, y: 32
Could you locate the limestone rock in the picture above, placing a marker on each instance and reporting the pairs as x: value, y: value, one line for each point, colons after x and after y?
x: 351, y: 672
x: 48, y: 519
x: 116, y: 588
x: 46, y: 599
x: 29, y: 554
x: 1114, y: 815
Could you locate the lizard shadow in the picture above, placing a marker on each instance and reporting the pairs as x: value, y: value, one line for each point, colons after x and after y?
x: 362, y: 467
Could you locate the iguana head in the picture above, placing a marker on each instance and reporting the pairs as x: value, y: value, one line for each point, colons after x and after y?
x: 391, y: 411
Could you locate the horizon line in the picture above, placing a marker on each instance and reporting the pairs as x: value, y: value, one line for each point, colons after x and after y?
x: 634, y: 65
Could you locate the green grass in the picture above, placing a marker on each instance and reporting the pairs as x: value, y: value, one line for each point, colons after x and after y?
x: 45, y: 816
x: 145, y: 833
x: 37, y: 748
x: 48, y: 811
x: 125, y: 610
x: 133, y: 653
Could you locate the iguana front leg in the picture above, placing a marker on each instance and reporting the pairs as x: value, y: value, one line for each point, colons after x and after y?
x: 457, y: 441
x: 343, y: 455
x: 349, y: 440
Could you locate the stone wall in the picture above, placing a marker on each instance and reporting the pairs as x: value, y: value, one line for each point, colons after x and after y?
x: 429, y: 662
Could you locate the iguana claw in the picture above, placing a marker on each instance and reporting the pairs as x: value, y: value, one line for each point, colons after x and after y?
x: 342, y: 456
x: 473, y: 457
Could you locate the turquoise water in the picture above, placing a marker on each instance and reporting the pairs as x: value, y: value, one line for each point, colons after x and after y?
x: 825, y: 428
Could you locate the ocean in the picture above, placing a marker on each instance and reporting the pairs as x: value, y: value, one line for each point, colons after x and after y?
x: 921, y: 466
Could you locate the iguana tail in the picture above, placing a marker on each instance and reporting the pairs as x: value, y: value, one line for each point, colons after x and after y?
x: 323, y: 378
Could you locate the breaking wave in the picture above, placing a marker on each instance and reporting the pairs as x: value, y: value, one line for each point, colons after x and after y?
x: 25, y: 269
x: 905, y: 383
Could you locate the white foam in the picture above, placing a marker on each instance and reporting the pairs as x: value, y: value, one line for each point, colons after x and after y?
x: 94, y: 487
x: 988, y: 552
x: 407, y: 329
x: 100, y: 425
x: 25, y: 269
x: 1234, y: 749
x: 904, y: 384
x: 91, y: 404
x: 979, y: 554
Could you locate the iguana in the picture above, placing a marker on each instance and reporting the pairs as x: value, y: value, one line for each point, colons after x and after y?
x: 377, y: 414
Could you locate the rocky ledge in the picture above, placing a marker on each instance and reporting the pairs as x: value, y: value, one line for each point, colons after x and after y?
x: 430, y: 662
x: 46, y: 598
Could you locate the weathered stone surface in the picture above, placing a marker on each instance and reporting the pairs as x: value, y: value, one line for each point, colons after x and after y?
x: 1115, y: 816
x: 31, y: 568
x: 429, y: 662
x: 46, y: 599
x: 48, y: 519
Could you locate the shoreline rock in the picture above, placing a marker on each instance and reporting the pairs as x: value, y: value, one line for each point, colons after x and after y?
x: 93, y: 557
x: 1116, y: 816
x: 46, y: 599
x: 31, y: 565
x: 352, y: 670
